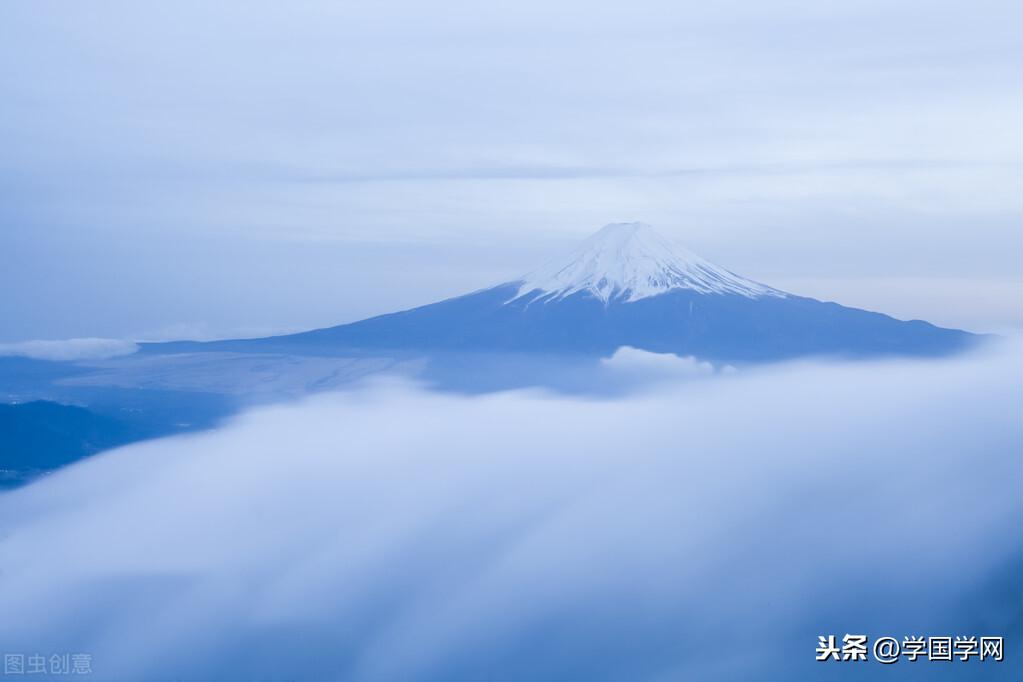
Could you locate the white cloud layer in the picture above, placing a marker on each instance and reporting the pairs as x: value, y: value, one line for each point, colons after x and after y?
x: 69, y: 349
x: 645, y: 365
x: 701, y: 531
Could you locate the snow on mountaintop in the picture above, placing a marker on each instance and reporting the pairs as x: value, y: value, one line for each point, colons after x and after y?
x: 630, y: 261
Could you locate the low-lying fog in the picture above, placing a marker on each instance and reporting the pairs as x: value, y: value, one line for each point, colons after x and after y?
x: 707, y: 526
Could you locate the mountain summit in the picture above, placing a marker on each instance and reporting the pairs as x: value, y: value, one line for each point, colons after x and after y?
x: 624, y: 286
x: 630, y: 261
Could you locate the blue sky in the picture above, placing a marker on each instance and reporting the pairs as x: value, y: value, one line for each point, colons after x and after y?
x: 237, y: 168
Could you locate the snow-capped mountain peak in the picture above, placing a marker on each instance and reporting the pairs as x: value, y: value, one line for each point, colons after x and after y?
x: 625, y: 286
x: 631, y: 261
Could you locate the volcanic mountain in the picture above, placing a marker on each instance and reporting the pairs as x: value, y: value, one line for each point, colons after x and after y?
x: 624, y: 286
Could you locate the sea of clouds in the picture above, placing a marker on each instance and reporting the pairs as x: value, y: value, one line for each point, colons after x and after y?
x: 705, y: 527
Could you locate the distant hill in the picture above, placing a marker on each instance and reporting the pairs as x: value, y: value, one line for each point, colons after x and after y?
x: 43, y: 435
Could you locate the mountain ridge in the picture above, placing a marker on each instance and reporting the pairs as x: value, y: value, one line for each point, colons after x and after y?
x: 625, y: 286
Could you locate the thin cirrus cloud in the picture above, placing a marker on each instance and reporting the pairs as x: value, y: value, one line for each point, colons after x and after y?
x: 707, y: 527
x: 783, y: 139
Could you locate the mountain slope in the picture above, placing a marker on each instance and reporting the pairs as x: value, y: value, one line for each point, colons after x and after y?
x: 625, y: 286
